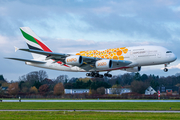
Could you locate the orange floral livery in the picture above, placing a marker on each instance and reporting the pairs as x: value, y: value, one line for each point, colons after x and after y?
x: 116, y: 53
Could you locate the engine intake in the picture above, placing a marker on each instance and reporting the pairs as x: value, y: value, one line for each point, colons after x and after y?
x: 74, y: 60
x: 104, y: 64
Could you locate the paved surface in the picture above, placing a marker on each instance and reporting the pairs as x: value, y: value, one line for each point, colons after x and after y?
x: 132, y: 111
x: 91, y: 100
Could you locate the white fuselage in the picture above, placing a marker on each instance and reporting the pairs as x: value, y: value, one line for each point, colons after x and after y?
x: 139, y: 56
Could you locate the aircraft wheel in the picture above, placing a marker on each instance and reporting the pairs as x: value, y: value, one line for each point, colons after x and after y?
x: 96, y: 75
x: 165, y: 69
x: 101, y: 76
x: 105, y: 74
x: 92, y: 74
x: 109, y: 75
x: 88, y: 74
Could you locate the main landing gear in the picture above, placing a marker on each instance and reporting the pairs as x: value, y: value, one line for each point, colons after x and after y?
x: 107, y: 74
x: 165, y: 69
x: 96, y: 74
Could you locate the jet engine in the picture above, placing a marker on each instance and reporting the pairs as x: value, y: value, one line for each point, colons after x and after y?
x: 74, y: 60
x: 104, y: 64
x: 134, y: 69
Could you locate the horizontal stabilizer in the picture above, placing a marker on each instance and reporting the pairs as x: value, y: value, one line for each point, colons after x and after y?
x: 26, y: 60
x: 43, y: 52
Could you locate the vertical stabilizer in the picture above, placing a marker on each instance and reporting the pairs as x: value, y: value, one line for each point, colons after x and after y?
x: 34, y: 42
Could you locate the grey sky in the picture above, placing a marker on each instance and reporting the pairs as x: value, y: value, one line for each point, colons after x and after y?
x: 69, y: 26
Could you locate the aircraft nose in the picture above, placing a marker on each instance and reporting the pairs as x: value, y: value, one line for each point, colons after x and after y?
x: 174, y: 57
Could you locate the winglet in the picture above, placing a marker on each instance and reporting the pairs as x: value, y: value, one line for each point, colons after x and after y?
x: 16, y: 48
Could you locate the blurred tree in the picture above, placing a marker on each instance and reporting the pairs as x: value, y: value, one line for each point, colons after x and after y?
x: 33, y: 78
x: 73, y: 80
x: 2, y: 78
x: 1, y: 91
x: 144, y: 77
x: 117, y: 83
x: 22, y: 78
x: 37, y: 84
x: 90, y: 92
x: 138, y: 86
x: 59, y: 89
x: 33, y: 90
x: 93, y: 91
x: 88, y: 84
x: 21, y: 84
x: 101, y: 90
x: 5, y: 84
x: 24, y: 90
x: 84, y: 79
x: 42, y: 75
x: 13, y: 89
x: 65, y: 81
x: 137, y: 76
x: 61, y: 79
x: 68, y: 86
x: 44, y: 88
x: 126, y: 79
x: 98, y: 84
x: 154, y: 84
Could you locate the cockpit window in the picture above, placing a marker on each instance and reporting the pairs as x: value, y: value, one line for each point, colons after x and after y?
x: 169, y: 52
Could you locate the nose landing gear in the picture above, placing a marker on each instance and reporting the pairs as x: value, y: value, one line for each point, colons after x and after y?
x: 165, y: 69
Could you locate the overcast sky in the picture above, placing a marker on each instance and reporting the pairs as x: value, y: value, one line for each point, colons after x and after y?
x: 74, y: 25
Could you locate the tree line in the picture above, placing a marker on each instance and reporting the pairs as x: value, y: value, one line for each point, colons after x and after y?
x: 37, y: 82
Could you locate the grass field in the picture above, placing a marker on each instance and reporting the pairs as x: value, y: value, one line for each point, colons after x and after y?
x: 91, y: 105
x: 77, y: 115
x: 86, y: 115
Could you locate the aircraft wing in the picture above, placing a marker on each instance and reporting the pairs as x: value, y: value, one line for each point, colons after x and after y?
x: 26, y: 60
x: 88, y: 62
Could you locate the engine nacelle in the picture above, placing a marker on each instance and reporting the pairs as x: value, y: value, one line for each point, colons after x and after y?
x: 74, y: 60
x: 104, y: 64
x: 134, y: 69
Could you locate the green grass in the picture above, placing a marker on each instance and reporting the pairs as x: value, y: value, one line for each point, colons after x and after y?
x: 86, y: 115
x: 91, y: 105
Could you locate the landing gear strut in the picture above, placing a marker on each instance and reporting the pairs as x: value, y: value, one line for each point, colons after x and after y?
x: 165, y: 69
x: 107, y: 74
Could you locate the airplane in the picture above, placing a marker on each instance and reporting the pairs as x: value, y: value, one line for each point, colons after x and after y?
x: 129, y: 59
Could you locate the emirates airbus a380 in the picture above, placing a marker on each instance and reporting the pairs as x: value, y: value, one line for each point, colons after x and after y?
x: 94, y: 61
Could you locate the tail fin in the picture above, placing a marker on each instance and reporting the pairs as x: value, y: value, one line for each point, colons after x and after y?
x: 34, y: 42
